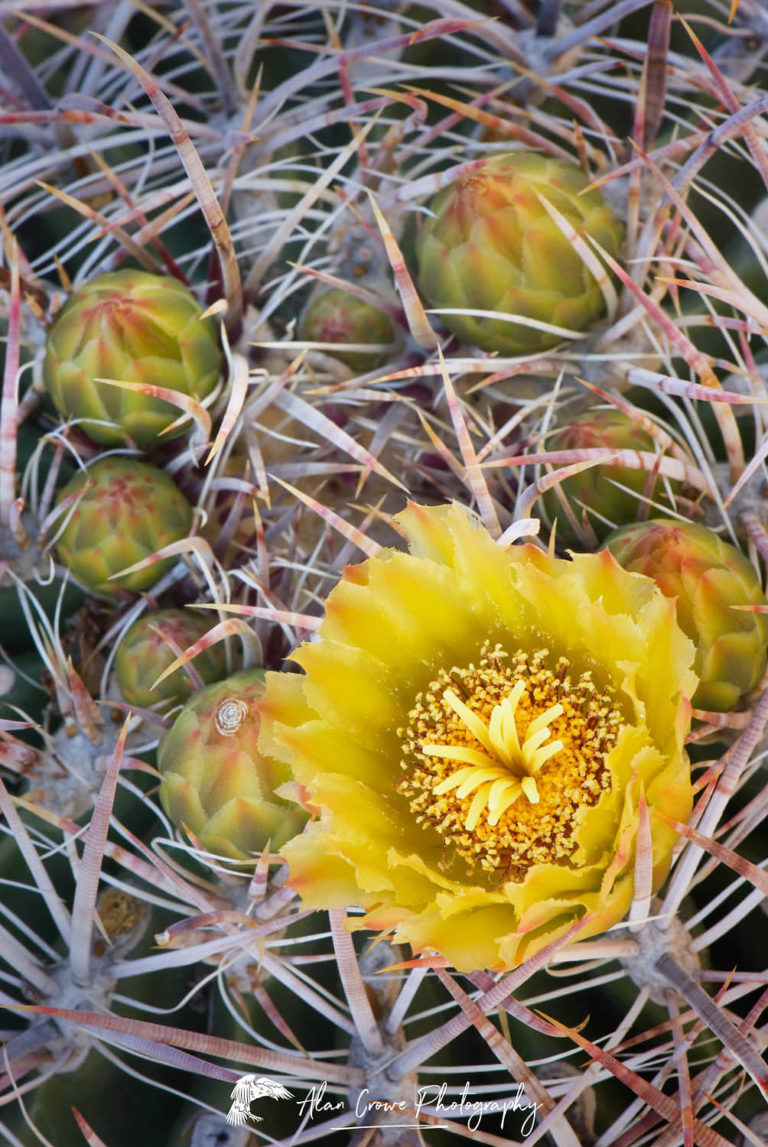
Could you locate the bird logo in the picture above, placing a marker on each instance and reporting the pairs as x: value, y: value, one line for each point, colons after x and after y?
x: 248, y: 1088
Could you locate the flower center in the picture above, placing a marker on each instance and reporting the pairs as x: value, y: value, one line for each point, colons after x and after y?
x: 500, y: 757
x: 503, y: 768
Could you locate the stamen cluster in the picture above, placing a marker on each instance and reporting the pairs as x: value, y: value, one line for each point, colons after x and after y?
x: 500, y: 757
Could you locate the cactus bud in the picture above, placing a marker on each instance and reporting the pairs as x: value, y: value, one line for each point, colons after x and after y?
x: 126, y: 511
x: 708, y: 577
x: 133, y: 327
x: 336, y: 316
x: 216, y: 783
x: 595, y: 492
x: 490, y: 245
x: 152, y: 644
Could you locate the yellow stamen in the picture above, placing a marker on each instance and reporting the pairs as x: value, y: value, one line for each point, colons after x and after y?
x: 503, y: 792
x: 506, y: 767
x: 473, y: 723
x: 455, y: 753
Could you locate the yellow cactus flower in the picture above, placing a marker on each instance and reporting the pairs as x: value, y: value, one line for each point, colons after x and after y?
x: 476, y: 730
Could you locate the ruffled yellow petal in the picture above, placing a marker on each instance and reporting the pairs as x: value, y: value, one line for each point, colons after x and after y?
x: 392, y: 616
x: 470, y: 941
x: 361, y: 813
x: 282, y: 707
x: 455, y: 889
x: 324, y: 877
x: 350, y: 689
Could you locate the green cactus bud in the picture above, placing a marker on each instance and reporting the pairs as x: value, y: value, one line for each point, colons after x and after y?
x: 126, y: 511
x: 134, y: 327
x: 216, y: 783
x: 336, y: 316
x: 708, y: 576
x: 595, y: 492
x: 489, y: 245
x: 152, y: 644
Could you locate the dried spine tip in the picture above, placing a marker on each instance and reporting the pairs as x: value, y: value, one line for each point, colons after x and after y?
x: 229, y: 716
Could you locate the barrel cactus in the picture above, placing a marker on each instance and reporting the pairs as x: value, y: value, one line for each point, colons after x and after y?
x: 135, y: 327
x: 709, y: 577
x: 216, y: 783
x: 152, y: 644
x: 266, y: 153
x: 489, y: 244
x: 123, y: 511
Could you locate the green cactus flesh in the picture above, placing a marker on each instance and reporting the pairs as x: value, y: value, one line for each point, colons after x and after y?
x: 337, y: 317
